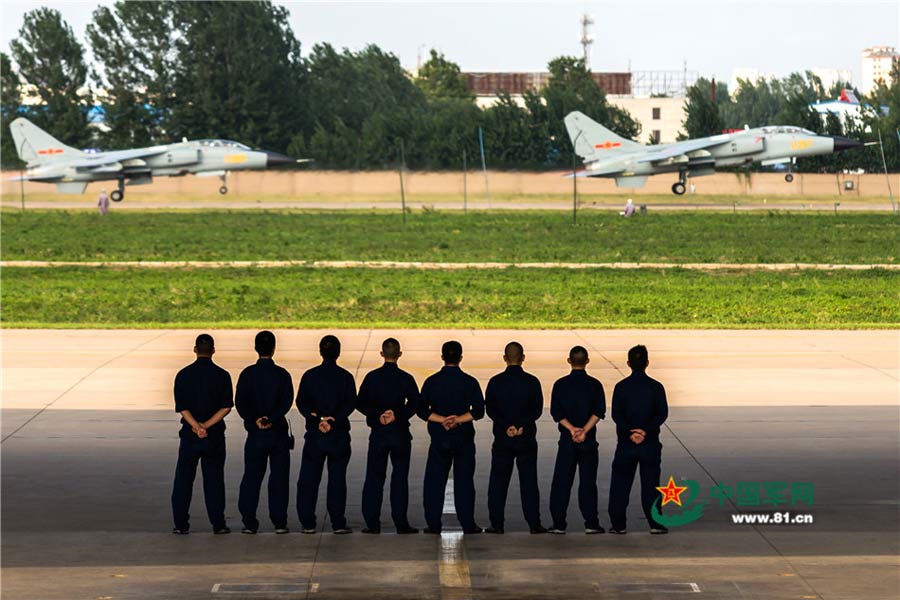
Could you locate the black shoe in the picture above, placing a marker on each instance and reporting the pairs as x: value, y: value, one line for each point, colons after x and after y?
x: 556, y: 531
x: 659, y: 530
x: 617, y: 531
x: 372, y: 530
x: 431, y: 531
x: 407, y: 530
x: 178, y: 531
x: 473, y: 530
x: 342, y: 531
x: 494, y: 530
x: 538, y: 530
x: 309, y: 530
x: 594, y: 530
x: 248, y: 531
x: 282, y: 530
x: 222, y: 531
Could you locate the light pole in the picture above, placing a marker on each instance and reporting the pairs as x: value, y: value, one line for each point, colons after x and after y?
x: 575, y: 180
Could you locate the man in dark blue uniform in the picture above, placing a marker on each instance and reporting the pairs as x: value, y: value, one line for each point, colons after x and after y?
x: 514, y: 402
x: 264, y: 396
x: 203, y: 396
x: 639, y: 409
x: 451, y: 401
x: 326, y: 398
x: 577, y: 404
x: 388, y: 397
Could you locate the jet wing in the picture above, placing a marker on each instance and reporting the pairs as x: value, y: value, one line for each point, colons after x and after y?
x: 109, y: 159
x: 680, y: 148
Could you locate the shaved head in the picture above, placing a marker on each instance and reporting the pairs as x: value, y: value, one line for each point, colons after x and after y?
x: 514, y: 353
x: 578, y: 356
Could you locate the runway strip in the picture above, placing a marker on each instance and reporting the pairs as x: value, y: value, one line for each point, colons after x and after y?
x: 443, y: 266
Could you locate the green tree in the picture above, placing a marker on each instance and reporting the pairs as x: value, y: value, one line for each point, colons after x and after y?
x: 239, y: 74
x: 10, y: 90
x: 51, y: 62
x: 571, y: 87
x: 439, y: 77
x: 701, y: 111
x: 134, y: 46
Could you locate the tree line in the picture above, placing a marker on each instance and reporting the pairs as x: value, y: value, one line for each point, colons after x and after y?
x: 168, y: 70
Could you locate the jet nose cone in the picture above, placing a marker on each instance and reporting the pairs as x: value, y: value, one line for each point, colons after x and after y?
x: 842, y: 143
x: 274, y: 159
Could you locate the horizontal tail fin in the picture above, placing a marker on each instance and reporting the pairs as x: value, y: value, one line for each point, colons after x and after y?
x: 592, y: 140
x: 36, y: 146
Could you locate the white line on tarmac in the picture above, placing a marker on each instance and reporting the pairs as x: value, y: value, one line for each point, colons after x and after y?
x: 453, y: 566
x: 448, y: 266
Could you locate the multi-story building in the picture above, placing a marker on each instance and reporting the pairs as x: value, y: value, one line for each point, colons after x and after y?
x: 876, y: 66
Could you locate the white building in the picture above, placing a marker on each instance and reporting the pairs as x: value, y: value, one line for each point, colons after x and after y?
x: 660, y: 118
x: 876, y: 66
x: 830, y: 77
x: 747, y: 74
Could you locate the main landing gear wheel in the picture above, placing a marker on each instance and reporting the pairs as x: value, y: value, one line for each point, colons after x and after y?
x: 117, y: 195
x: 789, y: 177
x: 223, y: 190
x: 678, y: 188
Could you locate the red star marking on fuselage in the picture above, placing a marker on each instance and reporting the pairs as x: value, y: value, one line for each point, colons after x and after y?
x: 671, y: 492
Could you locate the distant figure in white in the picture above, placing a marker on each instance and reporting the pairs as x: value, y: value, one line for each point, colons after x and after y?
x: 629, y: 209
x: 103, y: 202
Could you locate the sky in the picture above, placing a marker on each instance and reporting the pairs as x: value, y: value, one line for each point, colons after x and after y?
x: 712, y: 36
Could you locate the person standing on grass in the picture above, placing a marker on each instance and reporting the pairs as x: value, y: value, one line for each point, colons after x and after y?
x: 578, y: 403
x: 514, y: 402
x: 326, y: 397
x: 388, y: 397
x: 103, y: 202
x: 639, y: 409
x: 203, y: 396
x: 264, y: 396
x: 451, y: 401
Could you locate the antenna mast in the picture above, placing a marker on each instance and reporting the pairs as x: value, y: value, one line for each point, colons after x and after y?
x: 586, y: 39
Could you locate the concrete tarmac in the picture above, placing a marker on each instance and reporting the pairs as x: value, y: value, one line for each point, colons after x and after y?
x: 90, y: 439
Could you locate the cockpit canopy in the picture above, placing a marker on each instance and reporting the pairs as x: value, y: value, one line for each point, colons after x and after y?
x: 222, y: 144
x: 787, y: 129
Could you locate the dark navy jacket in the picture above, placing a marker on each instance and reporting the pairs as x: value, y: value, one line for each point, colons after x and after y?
x: 577, y: 397
x: 514, y: 398
x: 203, y: 388
x: 328, y: 391
x: 639, y: 402
x: 388, y: 388
x: 451, y: 392
x: 264, y: 389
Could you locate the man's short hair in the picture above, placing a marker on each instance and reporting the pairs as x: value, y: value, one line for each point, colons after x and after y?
x: 265, y: 343
x: 578, y: 356
x: 514, y: 352
x: 204, y: 344
x: 330, y: 347
x: 638, y: 357
x: 390, y: 348
x: 451, y: 352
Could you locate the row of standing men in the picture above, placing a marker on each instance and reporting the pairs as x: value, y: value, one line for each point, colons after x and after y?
x: 450, y: 401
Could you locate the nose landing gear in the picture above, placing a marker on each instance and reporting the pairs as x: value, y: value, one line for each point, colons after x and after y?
x: 224, y: 189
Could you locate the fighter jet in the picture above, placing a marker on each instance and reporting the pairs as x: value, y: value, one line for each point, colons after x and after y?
x: 50, y: 161
x: 605, y: 154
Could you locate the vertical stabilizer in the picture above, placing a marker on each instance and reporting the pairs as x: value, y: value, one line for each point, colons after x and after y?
x: 37, y: 147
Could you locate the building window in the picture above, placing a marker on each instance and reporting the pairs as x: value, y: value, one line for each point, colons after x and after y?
x: 656, y: 114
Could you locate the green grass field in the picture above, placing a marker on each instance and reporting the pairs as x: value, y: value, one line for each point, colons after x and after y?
x: 450, y: 236
x: 515, y: 298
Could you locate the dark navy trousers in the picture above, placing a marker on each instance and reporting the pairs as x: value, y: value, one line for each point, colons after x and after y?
x: 458, y: 452
x: 397, y: 447
x: 628, y: 458
x: 585, y: 458
x: 504, y: 454
x: 333, y: 448
x: 210, y: 453
x: 265, y: 448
